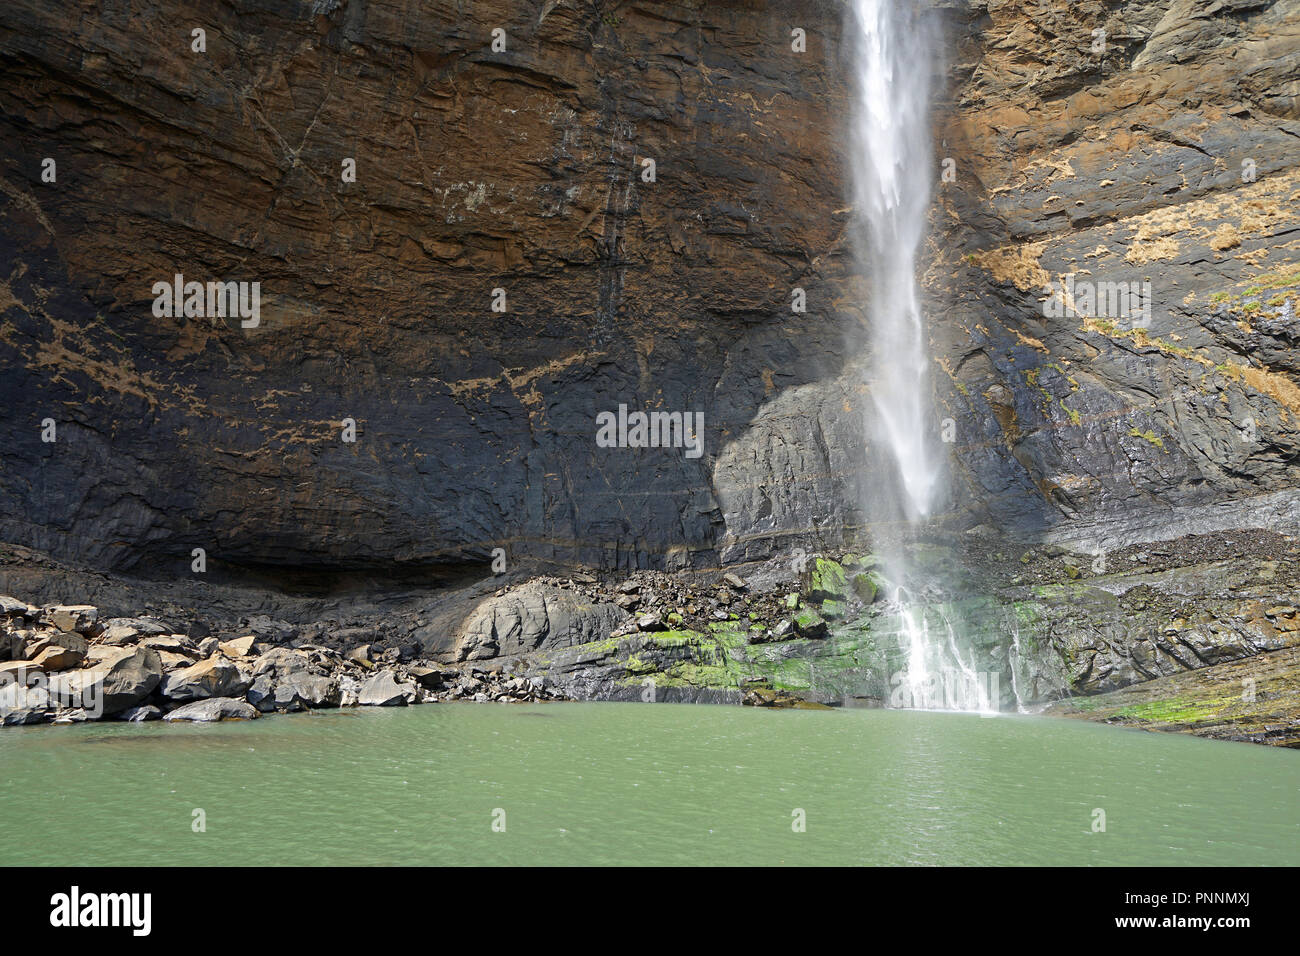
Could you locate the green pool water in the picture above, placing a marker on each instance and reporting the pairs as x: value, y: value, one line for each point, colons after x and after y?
x: 640, y: 784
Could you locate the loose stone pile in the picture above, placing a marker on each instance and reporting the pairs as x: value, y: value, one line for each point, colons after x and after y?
x: 65, y: 664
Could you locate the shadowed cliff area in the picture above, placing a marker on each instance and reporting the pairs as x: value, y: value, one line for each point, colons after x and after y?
x: 476, y: 170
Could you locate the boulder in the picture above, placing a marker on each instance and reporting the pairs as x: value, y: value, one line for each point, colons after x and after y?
x: 19, y: 716
x: 280, y: 661
x: 349, y: 691
x: 429, y: 678
x: 296, y: 691
x: 239, y: 647
x: 865, y: 587
x: 782, y: 632
x: 172, y: 644
x: 173, y: 661
x: 141, y: 713
x: 214, y: 677
x: 120, y: 680
x: 98, y: 653
x: 19, y: 703
x: 11, y: 671
x: 834, y: 610
x: 531, y: 617
x: 360, y: 654
x: 271, y: 631
x: 59, y: 651
x: 261, y: 693
x: 384, y: 690
x: 214, y: 708
x: 826, y: 581
x: 81, y: 618
x: 11, y: 645
x: 46, y: 639
x: 128, y: 630
x: 11, y: 607
x: 307, y: 690
x: 808, y: 623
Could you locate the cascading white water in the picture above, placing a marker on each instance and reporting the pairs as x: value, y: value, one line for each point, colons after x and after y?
x: 893, y: 168
x: 938, y: 675
x: 892, y: 172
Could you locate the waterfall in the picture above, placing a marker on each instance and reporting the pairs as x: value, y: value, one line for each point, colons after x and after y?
x: 892, y: 170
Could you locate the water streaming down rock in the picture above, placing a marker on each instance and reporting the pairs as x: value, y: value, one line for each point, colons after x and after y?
x: 892, y: 174
x: 893, y: 168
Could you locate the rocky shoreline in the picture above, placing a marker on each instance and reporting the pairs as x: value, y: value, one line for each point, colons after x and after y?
x: 1198, y: 635
x: 66, y: 664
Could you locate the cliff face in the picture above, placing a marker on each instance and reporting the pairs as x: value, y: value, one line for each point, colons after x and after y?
x: 524, y: 170
x: 476, y: 170
x: 1163, y: 160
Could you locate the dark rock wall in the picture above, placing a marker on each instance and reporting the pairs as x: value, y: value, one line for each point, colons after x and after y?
x: 522, y: 170
x: 476, y: 170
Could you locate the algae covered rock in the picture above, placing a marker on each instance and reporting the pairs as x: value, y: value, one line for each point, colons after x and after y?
x: 826, y: 581
x: 808, y: 623
x: 866, y: 586
x: 835, y: 610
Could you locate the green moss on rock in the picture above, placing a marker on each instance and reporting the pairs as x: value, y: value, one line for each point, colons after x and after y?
x: 808, y: 623
x: 866, y: 586
x: 827, y: 581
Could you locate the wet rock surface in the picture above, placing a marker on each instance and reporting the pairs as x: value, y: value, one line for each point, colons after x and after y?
x: 1254, y: 699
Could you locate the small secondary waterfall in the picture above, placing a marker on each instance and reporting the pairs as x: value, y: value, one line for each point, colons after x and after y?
x: 893, y: 168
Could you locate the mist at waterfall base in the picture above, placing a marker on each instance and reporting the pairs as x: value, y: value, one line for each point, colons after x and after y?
x: 894, y: 49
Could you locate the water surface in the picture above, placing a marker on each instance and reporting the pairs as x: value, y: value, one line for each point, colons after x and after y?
x: 640, y: 784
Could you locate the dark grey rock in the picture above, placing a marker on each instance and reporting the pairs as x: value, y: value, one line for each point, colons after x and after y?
x: 214, y: 677
x: 127, y: 630
x: 214, y: 709
x: 122, y: 679
x: 81, y: 618
x: 532, y: 616
x: 384, y: 690
x: 306, y: 690
x: 58, y: 651
x: 11, y: 608
x: 141, y: 713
